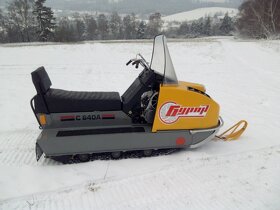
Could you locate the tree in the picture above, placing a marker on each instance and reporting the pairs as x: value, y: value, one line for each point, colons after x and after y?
x: 227, y: 25
x: 91, y: 27
x: 21, y: 22
x: 103, y: 26
x: 130, y: 26
x: 141, y: 30
x: 207, y: 26
x: 259, y: 18
x: 115, y: 25
x: 2, y: 27
x: 80, y: 29
x: 65, y: 31
x: 134, y: 26
x: 45, y: 21
x: 154, y: 25
x: 183, y: 29
x: 196, y: 28
x: 127, y: 27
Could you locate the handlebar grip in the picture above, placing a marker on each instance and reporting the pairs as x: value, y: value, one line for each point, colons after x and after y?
x: 129, y: 62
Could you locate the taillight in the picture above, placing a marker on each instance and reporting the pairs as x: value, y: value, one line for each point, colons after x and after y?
x: 43, y: 119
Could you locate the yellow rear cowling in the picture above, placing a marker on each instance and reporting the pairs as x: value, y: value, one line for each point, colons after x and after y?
x: 181, y: 108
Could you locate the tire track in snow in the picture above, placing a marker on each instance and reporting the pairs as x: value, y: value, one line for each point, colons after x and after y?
x: 202, y: 184
x: 18, y: 148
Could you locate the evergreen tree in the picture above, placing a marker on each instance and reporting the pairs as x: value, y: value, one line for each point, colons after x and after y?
x: 2, y: 27
x: 183, y: 29
x: 196, y: 28
x: 127, y: 27
x: 115, y: 25
x: 80, y: 31
x: 103, y: 26
x: 45, y: 20
x: 207, y: 26
x: 91, y: 27
x: 227, y: 25
x: 1, y: 19
x: 141, y: 30
x: 134, y: 26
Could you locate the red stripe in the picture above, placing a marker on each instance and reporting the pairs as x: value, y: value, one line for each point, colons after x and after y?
x: 67, y: 117
x: 108, y: 115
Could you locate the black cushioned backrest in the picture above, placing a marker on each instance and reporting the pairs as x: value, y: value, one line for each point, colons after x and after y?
x: 41, y: 80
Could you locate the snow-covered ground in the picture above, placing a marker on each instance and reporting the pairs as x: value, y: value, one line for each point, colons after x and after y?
x: 243, y: 76
x: 200, y: 13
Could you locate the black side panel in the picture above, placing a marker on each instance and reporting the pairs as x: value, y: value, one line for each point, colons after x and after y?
x: 100, y: 131
x: 41, y: 80
x: 132, y: 97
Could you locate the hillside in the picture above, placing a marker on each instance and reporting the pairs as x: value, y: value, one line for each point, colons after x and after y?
x: 166, y: 7
x: 199, y: 13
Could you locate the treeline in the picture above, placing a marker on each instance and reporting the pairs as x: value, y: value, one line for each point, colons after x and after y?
x: 115, y: 27
x: 207, y: 26
x: 28, y: 21
x: 104, y: 27
x: 31, y: 20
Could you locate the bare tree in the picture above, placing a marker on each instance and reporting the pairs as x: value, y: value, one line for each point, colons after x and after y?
x: 21, y: 18
x: 154, y: 25
x: 65, y: 31
x: 259, y: 18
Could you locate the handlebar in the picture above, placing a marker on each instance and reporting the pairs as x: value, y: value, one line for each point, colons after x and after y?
x: 129, y: 62
x: 136, y: 61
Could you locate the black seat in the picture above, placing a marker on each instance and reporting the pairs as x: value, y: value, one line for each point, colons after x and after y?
x: 50, y: 100
x: 73, y: 101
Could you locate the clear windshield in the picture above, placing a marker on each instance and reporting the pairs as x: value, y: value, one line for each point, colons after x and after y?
x: 161, y: 61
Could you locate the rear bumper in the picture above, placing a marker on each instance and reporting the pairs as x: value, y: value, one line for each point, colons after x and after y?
x: 39, y: 151
x: 213, y: 132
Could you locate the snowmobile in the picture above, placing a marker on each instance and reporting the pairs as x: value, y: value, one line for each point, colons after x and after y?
x: 156, y: 112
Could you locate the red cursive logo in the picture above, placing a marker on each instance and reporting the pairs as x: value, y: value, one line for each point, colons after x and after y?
x: 170, y: 112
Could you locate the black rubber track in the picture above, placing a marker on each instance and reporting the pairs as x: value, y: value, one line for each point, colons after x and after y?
x: 69, y: 159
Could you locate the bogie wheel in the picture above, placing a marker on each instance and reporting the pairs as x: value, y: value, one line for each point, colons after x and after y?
x: 148, y: 153
x: 65, y: 159
x: 116, y: 155
x: 84, y: 157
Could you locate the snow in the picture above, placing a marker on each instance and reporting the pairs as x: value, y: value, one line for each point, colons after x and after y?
x: 242, y: 76
x: 200, y: 13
